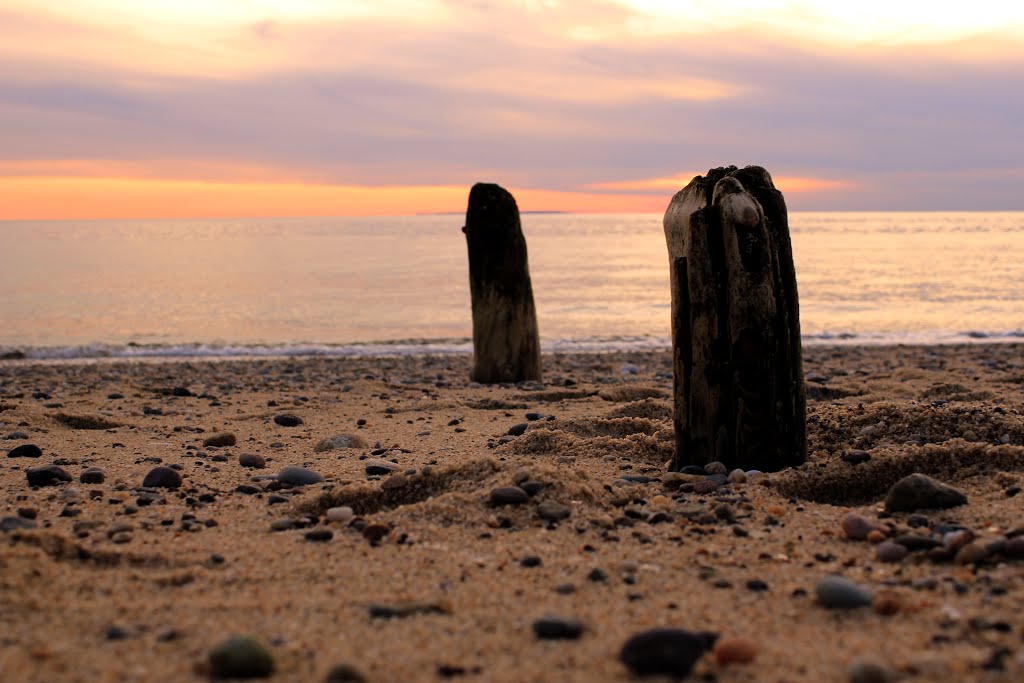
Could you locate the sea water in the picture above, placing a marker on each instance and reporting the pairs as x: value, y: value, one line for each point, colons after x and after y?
x: 357, y: 286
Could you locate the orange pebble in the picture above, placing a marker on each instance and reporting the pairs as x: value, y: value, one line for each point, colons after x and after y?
x: 735, y: 650
x: 877, y: 536
x: 887, y: 604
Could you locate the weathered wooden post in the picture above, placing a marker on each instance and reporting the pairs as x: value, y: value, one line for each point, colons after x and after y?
x: 506, y: 345
x: 739, y: 390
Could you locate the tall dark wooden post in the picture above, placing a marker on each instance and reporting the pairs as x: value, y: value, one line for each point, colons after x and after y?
x: 739, y: 390
x: 506, y: 345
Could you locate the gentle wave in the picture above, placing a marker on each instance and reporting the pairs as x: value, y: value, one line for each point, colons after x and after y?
x: 449, y: 347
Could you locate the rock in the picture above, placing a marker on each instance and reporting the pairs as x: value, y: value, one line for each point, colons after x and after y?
x: 220, y: 440
x: 344, y: 673
x: 47, y: 475
x: 557, y: 628
x: 1014, y: 548
x: 508, y: 495
x: 857, y: 526
x: 252, y: 460
x: 737, y: 476
x: 241, y: 657
x: 835, y: 592
x: 552, y: 511
x: 333, y: 443
x: 342, y: 514
x: 380, y: 467
x: 855, y: 457
x: 25, y: 450
x: 665, y: 651
x: 16, y: 524
x: 298, y: 476
x: 319, y: 535
x: 888, y: 551
x: 973, y: 552
x: 92, y: 475
x: 715, y: 468
x: 918, y: 491
x: 287, y: 420
x: 866, y: 671
x: 735, y: 651
x: 162, y: 477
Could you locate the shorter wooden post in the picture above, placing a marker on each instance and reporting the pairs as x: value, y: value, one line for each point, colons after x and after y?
x: 739, y: 391
x: 506, y: 344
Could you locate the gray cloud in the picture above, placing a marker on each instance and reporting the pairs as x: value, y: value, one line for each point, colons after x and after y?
x: 384, y: 103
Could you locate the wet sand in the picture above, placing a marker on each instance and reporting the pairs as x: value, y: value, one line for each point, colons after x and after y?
x: 430, y: 579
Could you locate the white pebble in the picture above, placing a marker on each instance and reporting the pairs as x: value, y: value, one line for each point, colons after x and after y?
x: 340, y: 514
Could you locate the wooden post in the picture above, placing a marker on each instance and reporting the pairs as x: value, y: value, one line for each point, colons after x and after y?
x: 739, y: 389
x: 506, y: 345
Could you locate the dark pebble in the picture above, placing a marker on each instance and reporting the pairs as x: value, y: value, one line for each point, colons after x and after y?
x: 380, y: 467
x: 116, y: 633
x: 552, y: 511
x: 918, y: 491
x: 25, y: 450
x: 533, y: 417
x: 530, y: 561
x: 181, y: 391
x: 241, y: 657
x: 532, y: 488
x: 694, y: 469
x: 92, y: 475
x: 665, y: 651
x: 48, y: 475
x: 220, y: 440
x: 287, y: 420
x: 298, y: 476
x: 162, y: 477
x: 835, y: 592
x: 597, y: 575
x: 319, y: 535
x: 855, y: 457
x: 517, y: 430
x: 557, y: 628
x: 253, y: 460
x: 16, y: 524
x: 344, y: 673
x: 248, y: 489
x: 757, y: 585
x: 508, y: 495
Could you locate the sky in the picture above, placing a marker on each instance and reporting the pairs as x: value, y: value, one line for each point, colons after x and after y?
x: 207, y: 108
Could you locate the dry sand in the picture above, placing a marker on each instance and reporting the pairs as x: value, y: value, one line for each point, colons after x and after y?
x: 107, y: 587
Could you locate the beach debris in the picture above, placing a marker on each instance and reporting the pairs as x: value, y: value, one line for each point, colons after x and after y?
x: 407, y: 608
x: 46, y: 475
x: 333, y: 443
x: 665, y: 651
x: 25, y: 450
x: 836, y: 592
x: 220, y: 440
x: 734, y: 305
x: 557, y: 628
x: 287, y: 420
x: 294, y: 475
x: 917, y: 491
x: 241, y: 657
x: 252, y: 460
x: 506, y: 344
x: 162, y: 477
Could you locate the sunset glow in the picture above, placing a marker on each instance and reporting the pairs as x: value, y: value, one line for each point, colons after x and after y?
x: 186, y: 107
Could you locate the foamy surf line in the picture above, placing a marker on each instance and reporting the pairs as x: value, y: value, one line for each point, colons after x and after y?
x: 450, y: 347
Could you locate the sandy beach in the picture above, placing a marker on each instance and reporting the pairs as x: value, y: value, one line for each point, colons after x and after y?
x: 501, y: 533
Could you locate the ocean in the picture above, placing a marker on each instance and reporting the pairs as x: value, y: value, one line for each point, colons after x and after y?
x: 392, y: 285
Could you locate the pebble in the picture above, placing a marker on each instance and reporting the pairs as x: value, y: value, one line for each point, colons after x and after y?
x: 319, y: 535
x: 1014, y: 548
x: 857, y: 526
x: 16, y: 524
x: 888, y: 551
x: 381, y: 467
x: 341, y: 514
x: 715, y: 468
x: 287, y: 420
x: 508, y: 495
x: 25, y: 450
x: 866, y: 671
x: 298, y: 476
x: 47, y: 475
x: 694, y: 469
x: 855, y: 457
x: 241, y: 657
x: 92, y: 475
x: 973, y: 552
x: 918, y: 491
x: 16, y: 435
x: 552, y: 511
x: 333, y: 443
x: 518, y: 429
x: 162, y: 477
x: 835, y: 592
x: 220, y: 440
x: 738, y: 476
x: 344, y: 673
x: 735, y: 650
x: 557, y: 628
x: 665, y: 651
x: 283, y: 524
x: 253, y: 460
